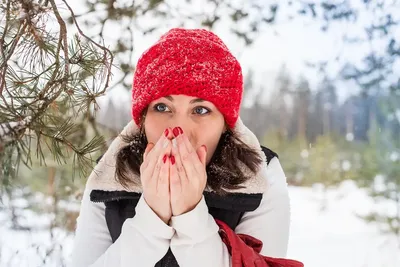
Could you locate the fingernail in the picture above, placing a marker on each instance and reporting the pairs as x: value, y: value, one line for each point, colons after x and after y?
x: 176, y: 131
x: 180, y: 130
x: 166, y: 132
x: 164, y: 159
x: 174, y: 143
x: 172, y: 160
x: 149, y: 145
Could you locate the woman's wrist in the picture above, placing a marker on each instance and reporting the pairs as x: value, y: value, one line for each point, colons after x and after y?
x: 163, y: 217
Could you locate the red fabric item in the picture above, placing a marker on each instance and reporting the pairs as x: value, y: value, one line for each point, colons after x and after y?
x: 192, y: 62
x: 245, y: 250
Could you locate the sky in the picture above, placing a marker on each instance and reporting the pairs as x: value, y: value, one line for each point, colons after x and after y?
x: 288, y: 42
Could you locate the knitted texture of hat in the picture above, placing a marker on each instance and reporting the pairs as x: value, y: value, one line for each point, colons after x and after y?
x: 193, y: 62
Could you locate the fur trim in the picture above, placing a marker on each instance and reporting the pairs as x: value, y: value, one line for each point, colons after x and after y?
x: 103, y: 174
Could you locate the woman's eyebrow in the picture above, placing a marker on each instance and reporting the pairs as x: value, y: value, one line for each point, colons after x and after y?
x: 196, y: 100
x: 170, y: 98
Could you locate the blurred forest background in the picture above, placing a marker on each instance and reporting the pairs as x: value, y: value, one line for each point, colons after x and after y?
x: 60, y: 109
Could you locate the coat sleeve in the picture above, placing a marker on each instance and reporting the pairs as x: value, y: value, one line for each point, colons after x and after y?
x: 197, y: 241
x: 270, y: 222
x: 144, y: 239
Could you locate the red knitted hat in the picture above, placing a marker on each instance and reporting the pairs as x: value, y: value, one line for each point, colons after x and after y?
x: 191, y: 62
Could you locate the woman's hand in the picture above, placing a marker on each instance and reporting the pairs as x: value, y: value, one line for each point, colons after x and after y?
x: 154, y: 175
x: 188, y: 175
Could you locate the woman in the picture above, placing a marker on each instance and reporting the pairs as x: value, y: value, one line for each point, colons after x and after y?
x: 185, y: 172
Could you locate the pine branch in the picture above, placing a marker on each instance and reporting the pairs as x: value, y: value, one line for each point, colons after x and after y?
x: 105, y: 50
x: 21, y: 29
x: 49, y: 82
x: 9, y: 130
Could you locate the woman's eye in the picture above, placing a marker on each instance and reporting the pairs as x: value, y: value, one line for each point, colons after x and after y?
x: 161, y: 108
x: 201, y: 110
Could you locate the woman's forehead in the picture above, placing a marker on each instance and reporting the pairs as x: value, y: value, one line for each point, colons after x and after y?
x: 182, y: 98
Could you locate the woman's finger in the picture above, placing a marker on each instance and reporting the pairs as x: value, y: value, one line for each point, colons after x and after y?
x: 175, y: 183
x: 162, y: 159
x: 149, y: 147
x: 180, y: 170
x: 154, y: 154
x: 189, y: 158
x: 202, y: 154
x: 163, y: 176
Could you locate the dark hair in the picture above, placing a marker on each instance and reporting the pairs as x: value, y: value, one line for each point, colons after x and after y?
x: 223, y: 171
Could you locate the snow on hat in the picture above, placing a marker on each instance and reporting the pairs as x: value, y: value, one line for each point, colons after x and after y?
x: 193, y: 62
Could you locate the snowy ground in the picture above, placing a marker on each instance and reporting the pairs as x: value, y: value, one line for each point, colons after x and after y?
x: 337, y: 237
x: 320, y: 238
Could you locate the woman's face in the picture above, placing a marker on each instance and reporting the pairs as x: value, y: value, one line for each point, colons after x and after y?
x: 200, y: 120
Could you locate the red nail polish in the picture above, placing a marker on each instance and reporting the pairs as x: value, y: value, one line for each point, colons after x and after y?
x: 164, y: 159
x: 172, y: 160
x: 166, y: 132
x: 180, y: 130
x: 176, y: 131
